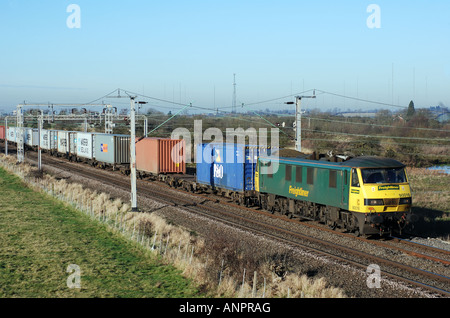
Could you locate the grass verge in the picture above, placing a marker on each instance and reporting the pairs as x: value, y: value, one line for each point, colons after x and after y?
x: 41, y: 236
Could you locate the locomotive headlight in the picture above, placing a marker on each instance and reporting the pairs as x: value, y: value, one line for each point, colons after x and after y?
x: 405, y: 201
x: 373, y: 202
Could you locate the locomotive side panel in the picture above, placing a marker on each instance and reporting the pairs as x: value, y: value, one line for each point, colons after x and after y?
x: 299, y: 180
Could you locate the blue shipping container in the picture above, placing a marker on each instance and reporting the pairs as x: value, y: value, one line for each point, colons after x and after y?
x: 228, y: 166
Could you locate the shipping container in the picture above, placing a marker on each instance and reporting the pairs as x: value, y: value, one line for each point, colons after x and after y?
x: 2, y: 132
x: 73, y: 140
x: 63, y: 144
x: 31, y: 136
x: 111, y: 149
x: 11, y: 132
x: 49, y: 139
x: 84, y: 145
x: 161, y: 155
x: 228, y: 166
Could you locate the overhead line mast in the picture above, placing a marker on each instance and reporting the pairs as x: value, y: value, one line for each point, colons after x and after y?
x: 298, y: 120
x: 234, y: 94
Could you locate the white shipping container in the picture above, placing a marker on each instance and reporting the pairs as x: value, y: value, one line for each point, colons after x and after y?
x: 48, y: 139
x: 84, y: 145
x: 11, y: 134
x: 45, y: 142
x: 30, y: 137
x: 73, y: 142
x: 63, y: 142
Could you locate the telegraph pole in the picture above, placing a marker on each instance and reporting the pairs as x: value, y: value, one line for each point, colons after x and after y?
x: 6, y: 135
x: 133, y: 154
x: 19, y: 135
x: 234, y: 94
x: 40, y: 124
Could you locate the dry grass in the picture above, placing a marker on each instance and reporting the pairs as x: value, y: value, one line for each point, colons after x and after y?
x: 216, y: 265
x: 431, y: 202
x: 40, y: 236
x: 430, y: 189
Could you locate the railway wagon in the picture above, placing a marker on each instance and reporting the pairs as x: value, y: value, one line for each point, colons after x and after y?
x: 84, y: 144
x: 2, y: 132
x: 160, y: 156
x: 111, y: 150
x: 229, y: 169
x: 11, y: 133
x: 63, y: 144
x: 31, y: 137
x: 73, y: 141
x: 49, y: 140
x: 365, y: 195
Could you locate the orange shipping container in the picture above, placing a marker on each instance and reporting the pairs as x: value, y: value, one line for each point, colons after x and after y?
x: 2, y: 132
x: 161, y: 155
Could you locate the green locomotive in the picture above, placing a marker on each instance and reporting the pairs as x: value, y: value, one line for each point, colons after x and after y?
x: 365, y: 195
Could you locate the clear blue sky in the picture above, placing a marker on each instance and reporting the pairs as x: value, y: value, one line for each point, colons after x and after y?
x: 187, y: 51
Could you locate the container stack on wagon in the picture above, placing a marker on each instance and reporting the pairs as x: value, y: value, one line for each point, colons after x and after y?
x: 11, y: 133
x: 161, y: 156
x: 63, y: 145
x: 31, y: 137
x: 2, y: 132
x: 229, y: 168
x: 111, y: 149
x: 84, y: 145
x: 49, y: 140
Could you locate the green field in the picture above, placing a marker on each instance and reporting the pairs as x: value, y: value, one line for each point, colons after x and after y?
x: 40, y: 237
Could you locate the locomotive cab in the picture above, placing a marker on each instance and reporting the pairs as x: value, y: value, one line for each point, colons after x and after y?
x: 380, y: 198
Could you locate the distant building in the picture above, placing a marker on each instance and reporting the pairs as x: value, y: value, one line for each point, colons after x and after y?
x: 443, y: 118
x: 358, y: 114
x: 440, y: 113
x: 439, y: 109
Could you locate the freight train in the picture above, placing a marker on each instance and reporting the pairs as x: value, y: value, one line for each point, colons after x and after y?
x: 363, y: 195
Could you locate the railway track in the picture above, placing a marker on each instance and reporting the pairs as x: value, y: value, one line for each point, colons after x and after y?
x: 213, y: 208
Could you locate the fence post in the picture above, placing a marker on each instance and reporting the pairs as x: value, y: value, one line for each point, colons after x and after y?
x: 243, y: 282
x: 264, y: 291
x: 154, y: 240
x: 254, y: 285
x: 179, y: 249
x: 221, y: 270
x: 167, y: 244
x: 192, y: 253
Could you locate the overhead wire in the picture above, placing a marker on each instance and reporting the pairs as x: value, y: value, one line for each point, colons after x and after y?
x: 376, y: 125
x: 221, y: 109
x: 373, y: 136
x: 361, y: 99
